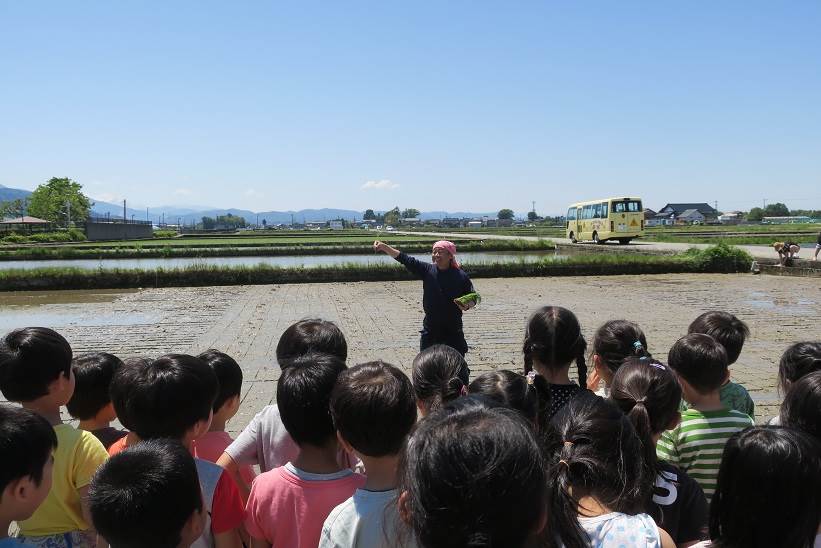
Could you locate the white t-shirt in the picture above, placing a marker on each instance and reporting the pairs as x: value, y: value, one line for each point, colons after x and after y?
x: 368, y: 519
x: 266, y: 442
x: 616, y: 529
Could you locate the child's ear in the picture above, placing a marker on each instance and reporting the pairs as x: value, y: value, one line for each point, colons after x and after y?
x: 404, y: 511
x: 200, y: 427
x: 193, y: 528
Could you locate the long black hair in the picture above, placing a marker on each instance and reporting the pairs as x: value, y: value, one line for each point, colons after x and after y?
x: 649, y: 394
x: 473, y: 476
x: 592, y: 451
x: 437, y: 375
x: 553, y: 336
x: 619, y: 339
x: 782, y: 510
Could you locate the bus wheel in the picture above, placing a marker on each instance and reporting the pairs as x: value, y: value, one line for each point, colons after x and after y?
x: 573, y: 239
x: 624, y: 241
x: 596, y: 238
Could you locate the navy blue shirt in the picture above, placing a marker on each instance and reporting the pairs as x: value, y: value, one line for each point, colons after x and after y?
x: 440, y: 287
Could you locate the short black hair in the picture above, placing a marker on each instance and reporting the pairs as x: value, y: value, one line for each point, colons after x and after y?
x: 304, y: 396
x: 373, y: 408
x: 144, y: 495
x: 798, y: 360
x: 26, y: 443
x: 311, y: 335
x: 165, y: 397
x: 229, y: 375
x: 802, y: 405
x: 700, y: 360
x: 728, y: 330
x: 92, y: 380
x: 31, y: 359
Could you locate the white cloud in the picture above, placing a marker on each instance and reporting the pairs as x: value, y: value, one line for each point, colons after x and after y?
x: 109, y: 197
x: 183, y: 192
x: 252, y: 193
x: 384, y: 184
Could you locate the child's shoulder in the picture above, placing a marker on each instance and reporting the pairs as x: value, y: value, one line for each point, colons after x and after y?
x: 74, y: 440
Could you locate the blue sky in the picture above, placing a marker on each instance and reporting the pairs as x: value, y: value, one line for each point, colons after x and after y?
x: 433, y: 105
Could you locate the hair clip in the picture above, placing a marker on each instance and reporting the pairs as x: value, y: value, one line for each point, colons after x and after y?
x: 638, y: 345
x: 644, y: 358
x: 658, y: 365
x: 565, y: 463
x: 568, y: 443
x: 463, y: 391
x: 531, y: 377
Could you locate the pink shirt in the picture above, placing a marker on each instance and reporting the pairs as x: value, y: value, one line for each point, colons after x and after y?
x: 210, y: 447
x: 287, y: 506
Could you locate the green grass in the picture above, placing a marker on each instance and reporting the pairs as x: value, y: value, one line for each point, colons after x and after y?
x: 719, y: 258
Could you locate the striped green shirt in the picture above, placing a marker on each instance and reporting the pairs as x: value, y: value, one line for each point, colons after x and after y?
x: 696, y: 444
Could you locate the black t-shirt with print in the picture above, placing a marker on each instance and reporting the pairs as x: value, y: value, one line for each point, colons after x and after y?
x: 560, y: 394
x: 680, y: 505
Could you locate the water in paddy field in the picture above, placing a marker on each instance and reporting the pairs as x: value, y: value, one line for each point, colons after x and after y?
x: 283, y: 261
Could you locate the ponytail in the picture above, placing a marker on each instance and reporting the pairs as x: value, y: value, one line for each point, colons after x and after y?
x: 554, y: 337
x: 640, y: 417
x: 542, y: 388
x: 581, y: 364
x: 436, y: 376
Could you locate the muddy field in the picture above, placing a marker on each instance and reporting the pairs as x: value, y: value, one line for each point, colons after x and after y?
x: 381, y: 320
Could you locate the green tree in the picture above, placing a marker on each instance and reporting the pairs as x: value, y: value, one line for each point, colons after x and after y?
x: 755, y: 214
x: 776, y: 210
x: 60, y: 200
x: 505, y: 214
x: 208, y: 223
x: 231, y: 221
x: 369, y: 215
x: 410, y: 213
x: 532, y: 216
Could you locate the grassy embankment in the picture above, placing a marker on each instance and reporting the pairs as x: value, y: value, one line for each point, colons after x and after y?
x: 719, y: 258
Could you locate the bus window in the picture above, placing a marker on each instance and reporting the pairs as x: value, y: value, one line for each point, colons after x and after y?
x: 603, y: 210
x: 627, y: 207
x: 597, y: 211
x: 587, y: 212
x: 571, y: 214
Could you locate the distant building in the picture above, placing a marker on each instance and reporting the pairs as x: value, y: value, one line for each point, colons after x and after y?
x: 336, y: 225
x: 410, y: 221
x: 690, y: 217
x: 786, y: 220
x: 451, y: 222
x: 24, y: 224
x: 474, y: 224
x: 731, y: 218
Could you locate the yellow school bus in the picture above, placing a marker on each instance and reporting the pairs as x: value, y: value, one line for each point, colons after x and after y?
x: 619, y: 219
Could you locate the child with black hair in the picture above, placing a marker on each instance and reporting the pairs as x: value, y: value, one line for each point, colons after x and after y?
x: 649, y: 394
x: 801, y: 358
x: 288, y: 505
x: 513, y: 391
x: 599, y: 489
x: 148, y: 495
x: 35, y: 370
x: 213, y: 443
x: 768, y: 492
x: 473, y: 476
x: 801, y: 408
x: 27, y: 442
x: 700, y: 364
x: 731, y: 333
x: 91, y: 402
x: 440, y: 374
x: 265, y: 441
x: 173, y: 397
x: 613, y: 342
x: 553, y: 341
x: 374, y: 410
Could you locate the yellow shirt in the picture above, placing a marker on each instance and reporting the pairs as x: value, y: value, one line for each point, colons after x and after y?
x: 76, y: 459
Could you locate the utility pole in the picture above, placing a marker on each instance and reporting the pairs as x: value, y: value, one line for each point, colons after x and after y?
x: 146, y: 215
x: 124, y: 214
x: 534, y: 206
x: 68, y: 212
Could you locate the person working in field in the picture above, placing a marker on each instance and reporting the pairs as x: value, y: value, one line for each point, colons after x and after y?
x: 448, y: 292
x: 786, y: 251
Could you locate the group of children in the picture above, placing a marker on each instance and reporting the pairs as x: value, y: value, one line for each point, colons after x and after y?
x: 639, y: 453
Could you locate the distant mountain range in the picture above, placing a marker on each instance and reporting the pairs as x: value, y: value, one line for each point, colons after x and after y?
x: 187, y: 215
